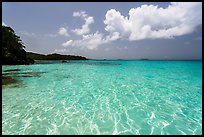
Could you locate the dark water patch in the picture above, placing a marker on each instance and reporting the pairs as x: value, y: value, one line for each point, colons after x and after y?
x: 23, y: 74
x: 149, y: 77
x: 63, y: 76
x: 96, y: 63
x: 8, y: 80
x: 105, y: 63
x: 6, y: 74
x: 47, y: 61
x: 31, y: 74
x: 77, y: 62
x: 11, y: 79
x: 9, y: 70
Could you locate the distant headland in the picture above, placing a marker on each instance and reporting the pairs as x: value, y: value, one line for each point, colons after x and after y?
x: 13, y: 52
x: 53, y: 56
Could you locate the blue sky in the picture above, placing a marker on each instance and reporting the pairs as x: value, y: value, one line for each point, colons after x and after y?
x: 110, y: 30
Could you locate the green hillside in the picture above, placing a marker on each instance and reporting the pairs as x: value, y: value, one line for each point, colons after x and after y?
x: 54, y: 56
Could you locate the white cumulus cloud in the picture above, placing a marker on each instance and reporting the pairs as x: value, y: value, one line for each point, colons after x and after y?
x: 89, y: 41
x: 113, y: 36
x: 60, y: 50
x: 151, y: 22
x: 144, y: 22
x: 85, y: 27
x: 80, y: 14
x: 63, y: 31
x: 68, y: 43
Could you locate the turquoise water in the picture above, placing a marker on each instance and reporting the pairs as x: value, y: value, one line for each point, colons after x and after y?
x: 104, y: 97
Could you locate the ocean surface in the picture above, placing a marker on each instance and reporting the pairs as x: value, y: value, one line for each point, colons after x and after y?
x: 103, y: 97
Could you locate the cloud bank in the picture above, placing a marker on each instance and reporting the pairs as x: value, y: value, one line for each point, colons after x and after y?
x: 89, y: 41
x: 152, y: 22
x: 68, y: 43
x: 88, y: 20
x: 63, y: 31
x: 144, y: 22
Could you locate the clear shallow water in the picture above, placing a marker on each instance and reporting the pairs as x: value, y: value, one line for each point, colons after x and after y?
x: 104, y: 97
